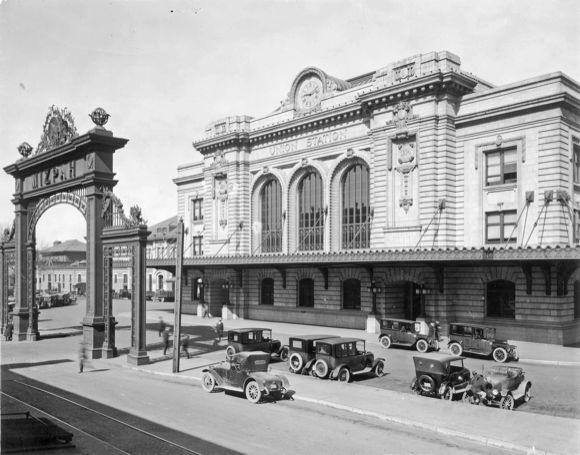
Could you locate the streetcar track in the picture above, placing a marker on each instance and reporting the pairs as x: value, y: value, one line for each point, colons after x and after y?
x: 63, y: 422
x: 128, y: 425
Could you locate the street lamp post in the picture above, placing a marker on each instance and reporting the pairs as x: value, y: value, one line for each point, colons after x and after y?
x: 227, y: 286
x: 422, y: 291
x: 375, y: 289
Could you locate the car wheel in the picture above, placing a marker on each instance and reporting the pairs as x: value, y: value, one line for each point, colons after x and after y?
x: 386, y: 342
x: 528, y: 393
x: 253, y: 392
x: 208, y: 382
x: 500, y: 355
x: 507, y: 402
x: 422, y: 346
x: 467, y: 397
x: 380, y: 368
x: 284, y: 354
x: 230, y: 352
x: 456, y: 349
x: 321, y: 368
x: 344, y: 375
x: 448, y: 394
x: 295, y: 363
x: 426, y: 383
x: 414, y: 387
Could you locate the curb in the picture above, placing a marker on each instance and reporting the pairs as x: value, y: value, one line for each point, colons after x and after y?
x: 550, y: 362
x: 488, y: 442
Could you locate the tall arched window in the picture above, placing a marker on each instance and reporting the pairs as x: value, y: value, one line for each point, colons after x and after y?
x: 355, y: 208
x: 310, y: 213
x: 351, y: 294
x: 501, y: 299
x: 306, y: 292
x: 271, y: 200
x: 267, y: 292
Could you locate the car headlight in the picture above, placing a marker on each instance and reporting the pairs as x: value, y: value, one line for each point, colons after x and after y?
x: 495, y: 391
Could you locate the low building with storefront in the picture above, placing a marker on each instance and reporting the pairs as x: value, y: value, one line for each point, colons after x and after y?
x: 414, y: 191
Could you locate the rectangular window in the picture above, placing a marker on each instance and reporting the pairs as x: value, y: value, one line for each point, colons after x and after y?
x: 576, y: 164
x: 501, y: 166
x: 197, y: 210
x: 576, y: 226
x: 196, y: 246
x: 115, y: 278
x: 499, y: 226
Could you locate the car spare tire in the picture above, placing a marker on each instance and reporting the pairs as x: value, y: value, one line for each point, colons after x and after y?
x: 426, y: 383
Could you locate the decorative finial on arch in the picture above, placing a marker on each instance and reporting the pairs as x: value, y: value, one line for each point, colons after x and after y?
x: 25, y: 149
x: 99, y: 117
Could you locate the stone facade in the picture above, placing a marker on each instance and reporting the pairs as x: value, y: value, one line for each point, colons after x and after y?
x: 473, y: 197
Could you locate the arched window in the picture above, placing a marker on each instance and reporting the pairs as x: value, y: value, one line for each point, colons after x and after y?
x: 306, y: 292
x: 267, y: 292
x: 310, y: 213
x: 501, y: 299
x: 271, y: 218
x: 351, y: 294
x: 355, y: 208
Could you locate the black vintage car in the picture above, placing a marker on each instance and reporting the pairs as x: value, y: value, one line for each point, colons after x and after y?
x: 252, y: 339
x: 403, y: 332
x: 501, y: 386
x: 440, y: 375
x: 301, y: 352
x: 338, y: 358
x: 246, y: 372
x: 479, y: 339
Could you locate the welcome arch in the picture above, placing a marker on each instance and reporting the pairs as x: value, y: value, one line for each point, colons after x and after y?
x: 77, y: 170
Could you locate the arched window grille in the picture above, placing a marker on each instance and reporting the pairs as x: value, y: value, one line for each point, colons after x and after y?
x: 306, y: 292
x: 351, y: 294
x: 310, y: 213
x: 267, y: 292
x: 271, y: 199
x: 501, y: 299
x: 356, y: 231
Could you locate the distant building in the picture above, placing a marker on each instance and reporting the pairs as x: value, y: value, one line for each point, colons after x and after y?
x: 62, y: 267
x: 417, y: 190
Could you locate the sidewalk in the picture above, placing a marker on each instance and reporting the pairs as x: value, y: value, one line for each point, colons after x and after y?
x: 491, y: 427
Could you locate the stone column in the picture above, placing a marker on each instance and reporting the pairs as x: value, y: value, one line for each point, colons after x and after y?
x: 21, y: 311
x: 32, y: 333
x: 138, y: 352
x: 3, y: 289
x: 109, y: 349
x: 93, y: 322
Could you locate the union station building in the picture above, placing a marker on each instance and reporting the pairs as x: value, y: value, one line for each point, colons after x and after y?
x: 414, y: 191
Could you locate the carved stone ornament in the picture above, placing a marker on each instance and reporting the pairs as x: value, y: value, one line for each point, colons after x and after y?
x: 59, y: 128
x: 99, y: 117
x: 404, y: 72
x: 136, y: 215
x: 304, y: 162
x: 401, y: 115
x: 266, y: 170
x: 25, y: 149
x: 498, y: 140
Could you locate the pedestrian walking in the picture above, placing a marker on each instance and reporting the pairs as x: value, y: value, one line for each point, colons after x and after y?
x: 185, y: 345
x: 165, y: 340
x: 8, y: 330
x: 82, y: 355
x: 162, y: 326
x: 205, y: 310
x: 219, y: 330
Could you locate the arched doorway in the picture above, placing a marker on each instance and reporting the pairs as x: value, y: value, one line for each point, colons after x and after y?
x: 403, y: 299
x: 70, y: 169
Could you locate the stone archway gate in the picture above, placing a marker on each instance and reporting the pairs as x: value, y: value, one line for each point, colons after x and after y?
x: 77, y: 170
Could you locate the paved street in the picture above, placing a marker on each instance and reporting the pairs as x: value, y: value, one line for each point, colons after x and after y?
x: 312, y: 420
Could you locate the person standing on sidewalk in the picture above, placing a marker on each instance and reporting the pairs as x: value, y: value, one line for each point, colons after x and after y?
x: 185, y: 345
x: 219, y: 330
x: 82, y: 356
x: 162, y: 325
x: 8, y: 330
x: 165, y: 340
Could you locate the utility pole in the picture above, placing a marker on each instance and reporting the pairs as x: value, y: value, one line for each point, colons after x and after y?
x: 177, y: 304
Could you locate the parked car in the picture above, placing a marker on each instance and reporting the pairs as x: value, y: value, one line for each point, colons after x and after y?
x: 440, y: 375
x: 164, y: 296
x: 500, y: 386
x: 246, y: 372
x: 49, y: 300
x: 252, y: 339
x: 338, y: 358
x: 301, y: 352
x: 403, y: 332
x: 479, y: 339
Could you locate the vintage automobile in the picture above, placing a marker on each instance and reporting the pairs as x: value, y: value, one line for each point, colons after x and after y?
x: 500, y: 386
x: 52, y: 299
x: 252, y: 339
x: 246, y: 372
x: 338, y: 358
x: 403, y: 332
x: 301, y: 352
x: 479, y: 339
x: 440, y: 375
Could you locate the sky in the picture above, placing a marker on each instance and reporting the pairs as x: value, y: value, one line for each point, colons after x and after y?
x: 165, y: 69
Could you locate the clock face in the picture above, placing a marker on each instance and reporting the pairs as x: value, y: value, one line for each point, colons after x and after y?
x: 309, y: 93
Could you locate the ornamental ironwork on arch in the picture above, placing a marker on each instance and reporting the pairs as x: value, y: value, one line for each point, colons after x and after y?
x: 77, y: 198
x: 114, y: 216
